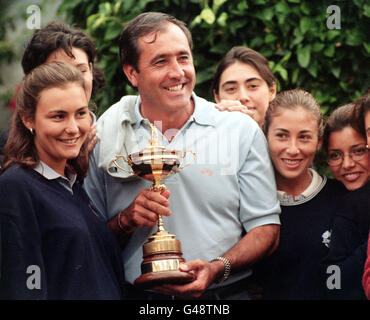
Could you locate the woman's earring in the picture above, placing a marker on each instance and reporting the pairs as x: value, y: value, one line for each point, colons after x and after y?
x: 31, y: 130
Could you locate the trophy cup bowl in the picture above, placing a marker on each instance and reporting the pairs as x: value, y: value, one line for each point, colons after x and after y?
x: 162, y: 253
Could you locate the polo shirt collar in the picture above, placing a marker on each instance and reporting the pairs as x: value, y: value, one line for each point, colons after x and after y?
x: 314, y: 186
x: 201, y: 114
x: 48, y: 173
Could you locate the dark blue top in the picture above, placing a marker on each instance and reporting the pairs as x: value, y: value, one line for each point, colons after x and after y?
x: 293, y: 270
x: 348, y: 249
x: 3, y: 139
x: 52, y: 244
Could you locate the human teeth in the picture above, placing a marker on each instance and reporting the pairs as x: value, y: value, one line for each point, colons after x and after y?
x: 70, y: 140
x: 175, y: 88
x: 291, y: 161
x: 351, y: 175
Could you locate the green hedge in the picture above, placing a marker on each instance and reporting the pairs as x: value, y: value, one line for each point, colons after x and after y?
x: 6, y: 46
x: 293, y: 35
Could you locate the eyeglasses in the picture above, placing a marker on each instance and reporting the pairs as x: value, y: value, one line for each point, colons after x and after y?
x: 336, y: 157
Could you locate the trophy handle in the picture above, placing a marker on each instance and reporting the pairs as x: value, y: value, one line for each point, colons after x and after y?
x: 190, y: 162
x: 125, y: 159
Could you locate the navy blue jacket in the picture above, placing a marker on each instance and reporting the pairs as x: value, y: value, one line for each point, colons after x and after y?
x: 348, y: 249
x: 293, y: 271
x: 52, y: 243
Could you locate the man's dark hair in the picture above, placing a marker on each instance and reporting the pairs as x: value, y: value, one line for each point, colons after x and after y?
x: 142, y: 25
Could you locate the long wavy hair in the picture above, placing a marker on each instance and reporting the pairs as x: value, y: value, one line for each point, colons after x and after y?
x: 20, y: 147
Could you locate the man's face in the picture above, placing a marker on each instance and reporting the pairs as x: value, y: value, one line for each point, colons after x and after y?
x: 166, y: 76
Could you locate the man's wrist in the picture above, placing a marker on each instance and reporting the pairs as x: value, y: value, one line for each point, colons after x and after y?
x: 121, y: 226
x: 226, y: 270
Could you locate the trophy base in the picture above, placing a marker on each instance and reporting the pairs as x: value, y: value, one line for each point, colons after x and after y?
x: 162, y: 258
x: 151, y: 279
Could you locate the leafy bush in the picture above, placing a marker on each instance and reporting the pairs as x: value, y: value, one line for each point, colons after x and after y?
x: 7, y: 55
x: 6, y: 47
x: 293, y: 35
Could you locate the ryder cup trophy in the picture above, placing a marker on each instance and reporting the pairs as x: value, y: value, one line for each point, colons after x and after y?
x: 162, y: 253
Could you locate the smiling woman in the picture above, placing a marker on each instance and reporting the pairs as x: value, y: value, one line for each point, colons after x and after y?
x: 346, y: 148
x: 51, y: 107
x: 46, y: 219
x: 244, y: 82
x: 349, y: 161
x: 60, y: 125
x: 293, y: 127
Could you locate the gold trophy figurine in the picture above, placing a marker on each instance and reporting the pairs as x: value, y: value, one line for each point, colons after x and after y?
x: 162, y: 253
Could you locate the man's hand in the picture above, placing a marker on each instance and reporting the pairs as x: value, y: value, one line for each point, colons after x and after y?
x: 91, y: 138
x: 145, y: 208
x: 204, y: 275
x: 258, y: 243
x: 233, y: 105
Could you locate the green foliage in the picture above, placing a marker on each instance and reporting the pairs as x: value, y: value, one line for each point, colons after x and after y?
x: 7, y: 51
x: 6, y: 46
x: 332, y: 64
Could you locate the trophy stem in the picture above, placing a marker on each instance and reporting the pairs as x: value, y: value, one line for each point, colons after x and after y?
x: 159, y: 187
x: 160, y: 224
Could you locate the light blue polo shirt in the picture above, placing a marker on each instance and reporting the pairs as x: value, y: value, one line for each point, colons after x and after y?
x: 228, y: 190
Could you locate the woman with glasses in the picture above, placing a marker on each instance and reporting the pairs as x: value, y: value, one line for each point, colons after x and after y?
x: 346, y: 149
x: 348, y: 159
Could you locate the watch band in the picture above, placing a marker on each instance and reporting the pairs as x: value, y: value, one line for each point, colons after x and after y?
x: 227, y: 266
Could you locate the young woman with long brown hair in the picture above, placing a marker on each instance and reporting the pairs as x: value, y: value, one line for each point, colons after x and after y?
x: 54, y: 246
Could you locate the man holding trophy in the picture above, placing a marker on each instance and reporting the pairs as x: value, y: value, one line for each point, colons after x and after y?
x: 223, y: 210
